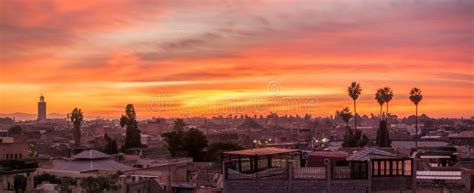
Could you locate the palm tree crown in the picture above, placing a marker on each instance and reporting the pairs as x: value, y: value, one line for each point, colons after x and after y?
x: 354, y: 90
x: 76, y: 116
x: 345, y: 114
x: 415, y: 96
x: 387, y: 94
x: 379, y: 96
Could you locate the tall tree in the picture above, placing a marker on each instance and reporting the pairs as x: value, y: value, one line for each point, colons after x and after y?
x: 387, y: 97
x: 132, y: 136
x: 383, y: 137
x: 76, y: 119
x: 380, y: 99
x: 416, y: 97
x: 354, y: 91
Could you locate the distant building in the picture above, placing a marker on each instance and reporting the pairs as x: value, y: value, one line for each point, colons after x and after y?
x: 10, y: 150
x: 42, y: 109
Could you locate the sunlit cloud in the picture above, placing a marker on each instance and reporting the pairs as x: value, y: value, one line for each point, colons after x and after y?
x: 218, y: 57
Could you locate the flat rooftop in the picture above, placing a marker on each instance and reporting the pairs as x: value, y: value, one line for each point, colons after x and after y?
x: 261, y: 151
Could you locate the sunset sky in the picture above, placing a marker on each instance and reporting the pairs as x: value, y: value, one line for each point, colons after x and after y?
x: 204, y: 58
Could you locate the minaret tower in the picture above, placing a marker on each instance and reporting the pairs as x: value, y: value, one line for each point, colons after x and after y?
x: 41, y: 109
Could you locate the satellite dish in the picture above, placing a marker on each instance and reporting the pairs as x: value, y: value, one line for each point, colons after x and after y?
x: 327, y: 161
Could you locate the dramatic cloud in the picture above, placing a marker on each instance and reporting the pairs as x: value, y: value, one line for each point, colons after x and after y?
x: 195, y: 55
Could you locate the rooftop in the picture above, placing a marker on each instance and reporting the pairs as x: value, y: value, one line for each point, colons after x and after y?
x: 261, y: 151
x: 90, y: 154
x: 91, y: 165
x: 372, y: 153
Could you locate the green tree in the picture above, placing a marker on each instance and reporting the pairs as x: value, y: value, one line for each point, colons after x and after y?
x: 111, y: 145
x: 416, y: 97
x: 100, y: 184
x: 132, y: 136
x: 352, y: 138
x: 175, y: 138
x: 19, y: 183
x: 76, y: 119
x: 215, y: 150
x: 379, y: 96
x: 194, y: 142
x: 66, y: 184
x: 46, y: 178
x: 179, y: 125
x: 354, y: 91
x: 15, y: 130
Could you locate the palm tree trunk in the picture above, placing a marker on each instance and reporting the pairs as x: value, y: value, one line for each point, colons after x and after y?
x: 416, y: 127
x: 355, y: 115
x: 380, y: 113
x: 386, y: 115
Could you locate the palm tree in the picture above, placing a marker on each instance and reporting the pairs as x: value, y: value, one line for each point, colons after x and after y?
x: 387, y: 97
x: 416, y: 97
x: 354, y: 91
x: 76, y: 119
x: 345, y: 114
x: 380, y: 99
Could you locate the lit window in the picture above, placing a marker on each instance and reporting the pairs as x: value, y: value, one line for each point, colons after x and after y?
x: 375, y: 166
x: 400, y: 167
x: 407, y: 167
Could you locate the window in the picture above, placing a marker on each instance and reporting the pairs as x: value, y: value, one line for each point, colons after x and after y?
x: 407, y: 168
x: 400, y: 167
x: 382, y: 168
x: 391, y: 167
x: 375, y: 168
x: 359, y: 170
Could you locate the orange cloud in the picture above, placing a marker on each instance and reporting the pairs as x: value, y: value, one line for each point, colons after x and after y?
x: 215, y: 57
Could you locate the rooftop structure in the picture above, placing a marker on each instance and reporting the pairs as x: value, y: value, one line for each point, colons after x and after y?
x: 91, y: 160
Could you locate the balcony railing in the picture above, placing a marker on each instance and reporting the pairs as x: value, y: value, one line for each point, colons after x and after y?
x: 309, y: 173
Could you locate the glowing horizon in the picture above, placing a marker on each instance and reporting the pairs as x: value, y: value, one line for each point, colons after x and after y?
x: 188, y: 58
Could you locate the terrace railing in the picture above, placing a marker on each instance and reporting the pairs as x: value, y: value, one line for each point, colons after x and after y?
x: 341, y: 172
x: 270, y: 173
x: 309, y: 173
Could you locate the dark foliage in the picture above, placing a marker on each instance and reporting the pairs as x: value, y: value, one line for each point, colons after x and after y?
x: 383, y: 138
x: 215, y: 150
x: 15, y: 130
x: 19, y: 183
x: 111, y: 145
x: 132, y: 136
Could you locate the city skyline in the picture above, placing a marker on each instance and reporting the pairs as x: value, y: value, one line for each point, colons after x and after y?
x: 100, y: 56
